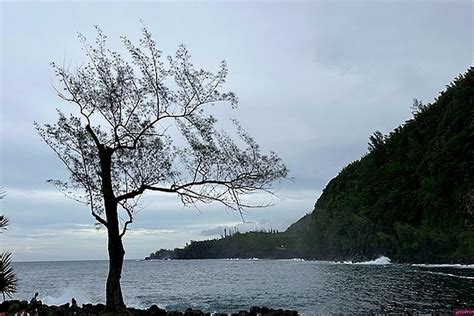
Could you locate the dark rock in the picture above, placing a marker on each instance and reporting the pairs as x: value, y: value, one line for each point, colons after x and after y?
x: 254, y: 310
x: 278, y: 312
x: 41, y: 309
x: 64, y: 306
x: 87, y: 308
x: 15, y: 306
x: 99, y: 308
x: 154, y: 310
x: 5, y: 306
x: 138, y: 312
x: 191, y: 312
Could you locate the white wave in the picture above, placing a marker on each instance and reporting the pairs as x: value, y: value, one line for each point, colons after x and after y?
x: 461, y: 266
x: 330, y: 262
x: 293, y: 260
x: 382, y: 260
x: 66, y: 296
x: 379, y: 261
x: 297, y: 259
x: 451, y: 275
x: 311, y: 261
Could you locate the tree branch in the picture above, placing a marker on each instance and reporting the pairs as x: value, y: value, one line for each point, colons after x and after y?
x: 93, y: 135
x: 130, y: 218
x: 100, y: 219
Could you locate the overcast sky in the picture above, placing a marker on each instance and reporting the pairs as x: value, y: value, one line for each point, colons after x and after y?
x: 314, y: 79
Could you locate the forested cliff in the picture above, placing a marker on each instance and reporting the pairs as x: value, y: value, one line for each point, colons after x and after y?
x: 411, y: 197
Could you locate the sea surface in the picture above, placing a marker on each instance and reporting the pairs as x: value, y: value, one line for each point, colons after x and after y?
x: 311, y: 287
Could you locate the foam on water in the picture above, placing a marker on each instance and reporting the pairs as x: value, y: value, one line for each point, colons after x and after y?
x: 68, y: 293
x: 461, y: 266
x: 451, y: 275
x: 297, y: 259
x: 66, y: 296
x: 292, y: 260
x: 382, y: 260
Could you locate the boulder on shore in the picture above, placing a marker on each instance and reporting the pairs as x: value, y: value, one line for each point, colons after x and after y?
x: 15, y: 306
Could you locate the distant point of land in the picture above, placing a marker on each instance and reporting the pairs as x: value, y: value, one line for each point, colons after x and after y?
x: 410, y: 197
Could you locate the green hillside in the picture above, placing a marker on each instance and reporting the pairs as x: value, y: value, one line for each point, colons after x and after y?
x: 264, y: 245
x: 411, y: 197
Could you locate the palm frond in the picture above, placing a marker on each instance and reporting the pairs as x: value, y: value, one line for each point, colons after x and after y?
x: 8, y: 279
x: 3, y: 223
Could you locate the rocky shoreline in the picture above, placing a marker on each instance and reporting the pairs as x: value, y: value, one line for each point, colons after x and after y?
x: 16, y: 307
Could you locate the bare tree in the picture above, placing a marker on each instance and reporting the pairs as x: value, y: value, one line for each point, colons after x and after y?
x: 120, y: 143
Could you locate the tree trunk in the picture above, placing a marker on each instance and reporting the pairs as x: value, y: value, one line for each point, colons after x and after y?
x: 113, y: 292
x: 114, y: 299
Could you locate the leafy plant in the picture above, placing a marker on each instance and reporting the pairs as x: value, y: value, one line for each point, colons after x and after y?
x: 8, y: 279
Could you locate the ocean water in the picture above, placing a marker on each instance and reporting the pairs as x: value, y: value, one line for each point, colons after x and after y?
x: 311, y: 287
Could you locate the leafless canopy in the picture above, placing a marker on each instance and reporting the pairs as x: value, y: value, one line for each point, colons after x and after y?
x: 132, y: 110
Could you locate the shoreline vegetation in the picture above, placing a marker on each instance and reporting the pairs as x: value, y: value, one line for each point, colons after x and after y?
x: 16, y: 307
x: 409, y: 198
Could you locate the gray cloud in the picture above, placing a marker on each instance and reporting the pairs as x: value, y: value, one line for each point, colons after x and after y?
x: 314, y: 79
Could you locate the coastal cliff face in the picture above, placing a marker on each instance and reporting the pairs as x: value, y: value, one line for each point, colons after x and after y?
x: 411, y: 196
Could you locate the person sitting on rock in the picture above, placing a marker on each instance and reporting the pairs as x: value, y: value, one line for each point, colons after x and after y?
x: 34, y: 300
